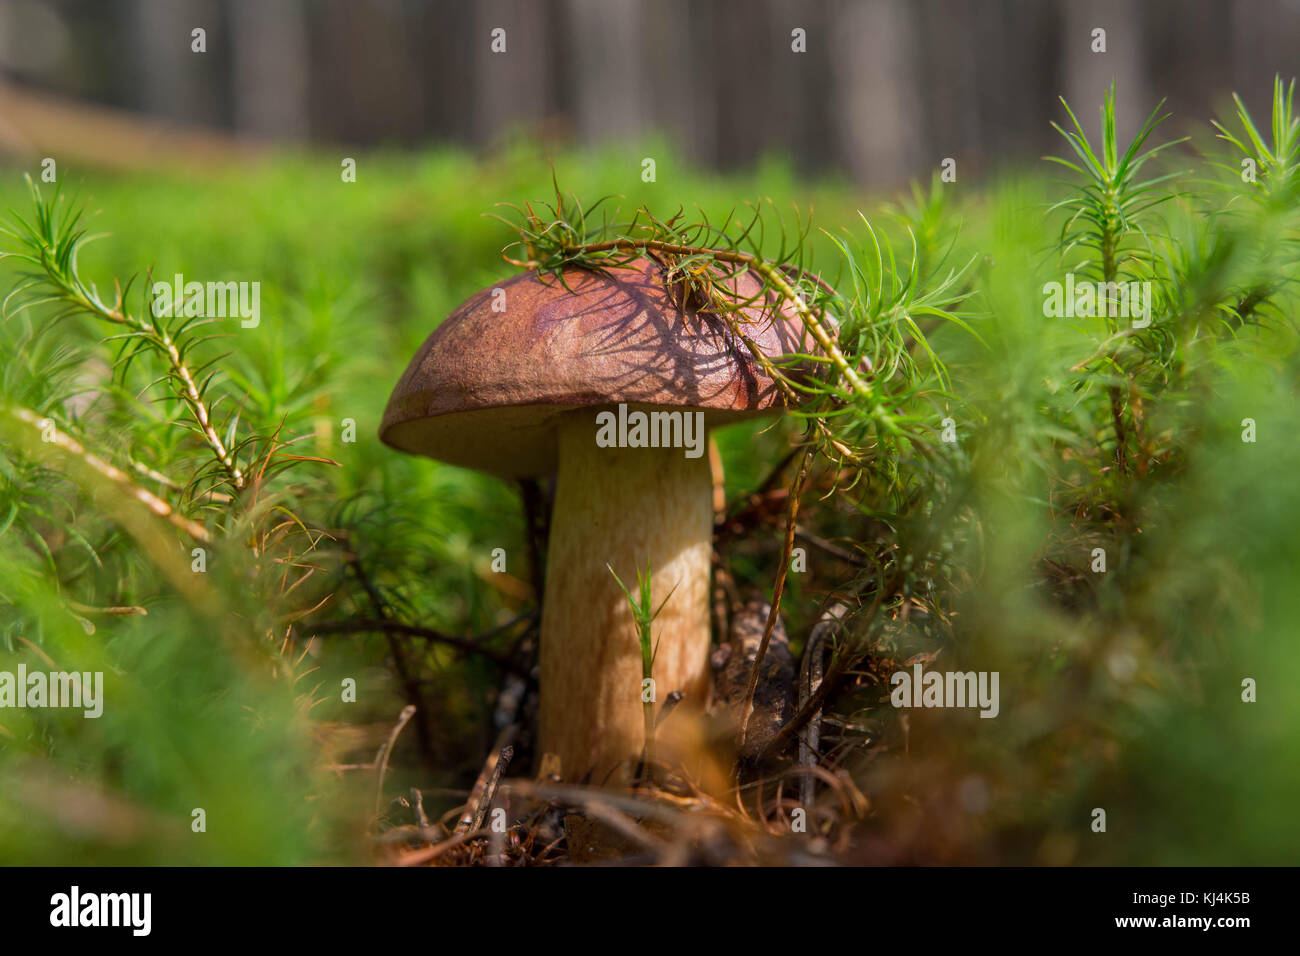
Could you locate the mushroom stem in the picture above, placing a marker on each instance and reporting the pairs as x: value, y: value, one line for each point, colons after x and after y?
x: 628, y: 508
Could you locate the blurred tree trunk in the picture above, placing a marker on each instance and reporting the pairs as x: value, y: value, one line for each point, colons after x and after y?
x: 955, y: 53
x: 1264, y: 42
x: 680, y: 71
x: 796, y: 113
x: 173, y: 81
x: 877, y: 76
x: 1089, y: 74
x: 366, y: 85
x: 271, y: 68
x: 511, y: 88
x: 607, y: 75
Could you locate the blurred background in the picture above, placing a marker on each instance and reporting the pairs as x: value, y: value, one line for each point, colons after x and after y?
x: 1121, y: 692
x: 885, y: 90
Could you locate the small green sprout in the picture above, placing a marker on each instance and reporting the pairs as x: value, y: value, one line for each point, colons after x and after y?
x: 644, y: 617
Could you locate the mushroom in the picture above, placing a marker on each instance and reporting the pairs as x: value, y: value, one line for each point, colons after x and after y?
x: 539, y: 376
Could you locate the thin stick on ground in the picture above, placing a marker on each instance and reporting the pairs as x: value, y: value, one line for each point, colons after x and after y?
x: 747, y: 708
x: 489, y: 777
x: 381, y: 761
x: 811, y: 671
x: 503, y: 761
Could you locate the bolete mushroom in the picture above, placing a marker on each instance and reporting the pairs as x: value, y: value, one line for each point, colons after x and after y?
x: 537, y: 376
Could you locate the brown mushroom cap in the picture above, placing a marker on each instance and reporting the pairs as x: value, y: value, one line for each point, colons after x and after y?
x: 486, y: 388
